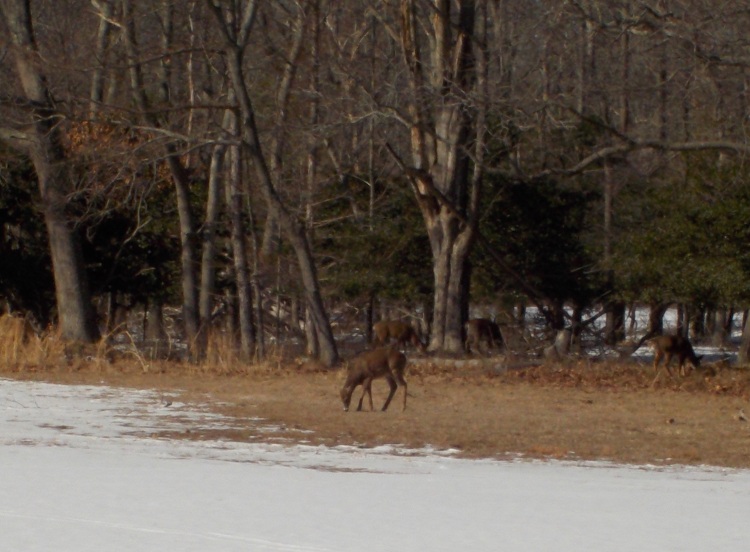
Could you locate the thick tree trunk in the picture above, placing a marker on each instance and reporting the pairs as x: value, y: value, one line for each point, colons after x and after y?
x: 446, y: 190
x: 451, y: 290
x: 41, y: 142
x: 614, y: 330
x: 76, y: 315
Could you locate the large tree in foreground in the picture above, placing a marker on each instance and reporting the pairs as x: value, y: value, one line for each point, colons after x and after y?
x: 442, y: 42
x: 38, y: 136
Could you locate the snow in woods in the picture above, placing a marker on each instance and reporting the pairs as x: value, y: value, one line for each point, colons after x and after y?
x: 85, y: 468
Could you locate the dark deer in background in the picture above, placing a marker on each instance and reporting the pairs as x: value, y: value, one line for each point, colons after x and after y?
x: 365, y: 367
x: 668, y: 346
x: 482, y: 329
x: 401, y: 332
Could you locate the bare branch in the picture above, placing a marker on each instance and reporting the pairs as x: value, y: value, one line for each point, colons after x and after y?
x: 612, y: 151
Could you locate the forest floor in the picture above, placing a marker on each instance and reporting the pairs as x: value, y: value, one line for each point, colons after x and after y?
x: 576, y: 410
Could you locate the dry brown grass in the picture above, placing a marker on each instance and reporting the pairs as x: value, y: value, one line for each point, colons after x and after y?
x: 580, y: 410
x: 15, y: 336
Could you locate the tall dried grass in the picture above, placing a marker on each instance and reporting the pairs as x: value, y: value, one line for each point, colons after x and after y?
x: 19, y: 344
x: 22, y: 349
x: 224, y: 357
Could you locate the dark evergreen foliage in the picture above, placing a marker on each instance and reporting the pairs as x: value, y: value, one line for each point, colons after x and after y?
x: 538, y: 227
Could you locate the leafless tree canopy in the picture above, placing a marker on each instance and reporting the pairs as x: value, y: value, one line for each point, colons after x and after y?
x: 261, y: 110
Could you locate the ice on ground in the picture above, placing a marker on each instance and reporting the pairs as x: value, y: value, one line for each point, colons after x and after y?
x: 81, y: 471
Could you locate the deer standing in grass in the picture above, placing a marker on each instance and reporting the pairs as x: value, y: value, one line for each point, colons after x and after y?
x: 668, y: 346
x: 482, y: 329
x: 402, y: 332
x: 365, y: 367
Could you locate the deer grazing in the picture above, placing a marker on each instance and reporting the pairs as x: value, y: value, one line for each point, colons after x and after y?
x: 401, y: 332
x: 482, y: 329
x: 365, y: 367
x: 668, y: 346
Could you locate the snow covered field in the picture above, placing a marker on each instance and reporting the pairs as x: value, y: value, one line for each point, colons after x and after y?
x: 83, y: 468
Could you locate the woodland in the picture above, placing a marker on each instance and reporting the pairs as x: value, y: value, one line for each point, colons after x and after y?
x: 272, y: 169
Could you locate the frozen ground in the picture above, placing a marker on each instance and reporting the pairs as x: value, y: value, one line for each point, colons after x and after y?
x: 83, y: 469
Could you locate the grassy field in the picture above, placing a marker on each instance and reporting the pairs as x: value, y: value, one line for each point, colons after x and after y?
x: 577, y: 410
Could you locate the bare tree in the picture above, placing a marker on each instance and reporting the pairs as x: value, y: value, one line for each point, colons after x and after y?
x: 236, y: 33
x: 190, y: 307
x: 38, y: 135
x: 235, y: 193
x: 446, y: 95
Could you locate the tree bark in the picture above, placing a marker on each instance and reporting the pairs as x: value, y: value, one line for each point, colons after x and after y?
x: 104, y: 32
x: 743, y: 354
x: 441, y: 139
x: 239, y: 251
x: 208, y: 236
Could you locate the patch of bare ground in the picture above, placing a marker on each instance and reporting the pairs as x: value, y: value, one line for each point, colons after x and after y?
x: 576, y: 411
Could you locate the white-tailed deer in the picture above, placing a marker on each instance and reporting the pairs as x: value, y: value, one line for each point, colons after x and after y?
x: 668, y: 346
x: 402, y: 332
x: 482, y: 329
x: 365, y: 367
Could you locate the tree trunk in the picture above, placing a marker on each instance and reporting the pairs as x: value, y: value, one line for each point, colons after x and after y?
x: 369, y: 317
x: 41, y: 142
x: 683, y: 320
x: 104, y: 32
x: 442, y: 180
x: 743, y: 354
x: 239, y: 250
x: 451, y: 286
x: 188, y: 260
x: 208, y: 236
x: 718, y: 328
x: 614, y: 331
x: 255, y: 283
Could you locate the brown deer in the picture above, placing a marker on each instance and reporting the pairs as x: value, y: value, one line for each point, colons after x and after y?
x: 402, y: 332
x: 365, y: 367
x: 482, y: 329
x: 667, y: 346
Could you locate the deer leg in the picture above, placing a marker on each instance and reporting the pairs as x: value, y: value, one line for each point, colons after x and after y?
x: 365, y: 389
x: 684, y: 368
x: 657, y: 359
x: 669, y: 368
x: 490, y: 341
x: 472, y: 343
x: 658, y: 356
x: 369, y: 393
x: 402, y: 383
x: 393, y: 386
